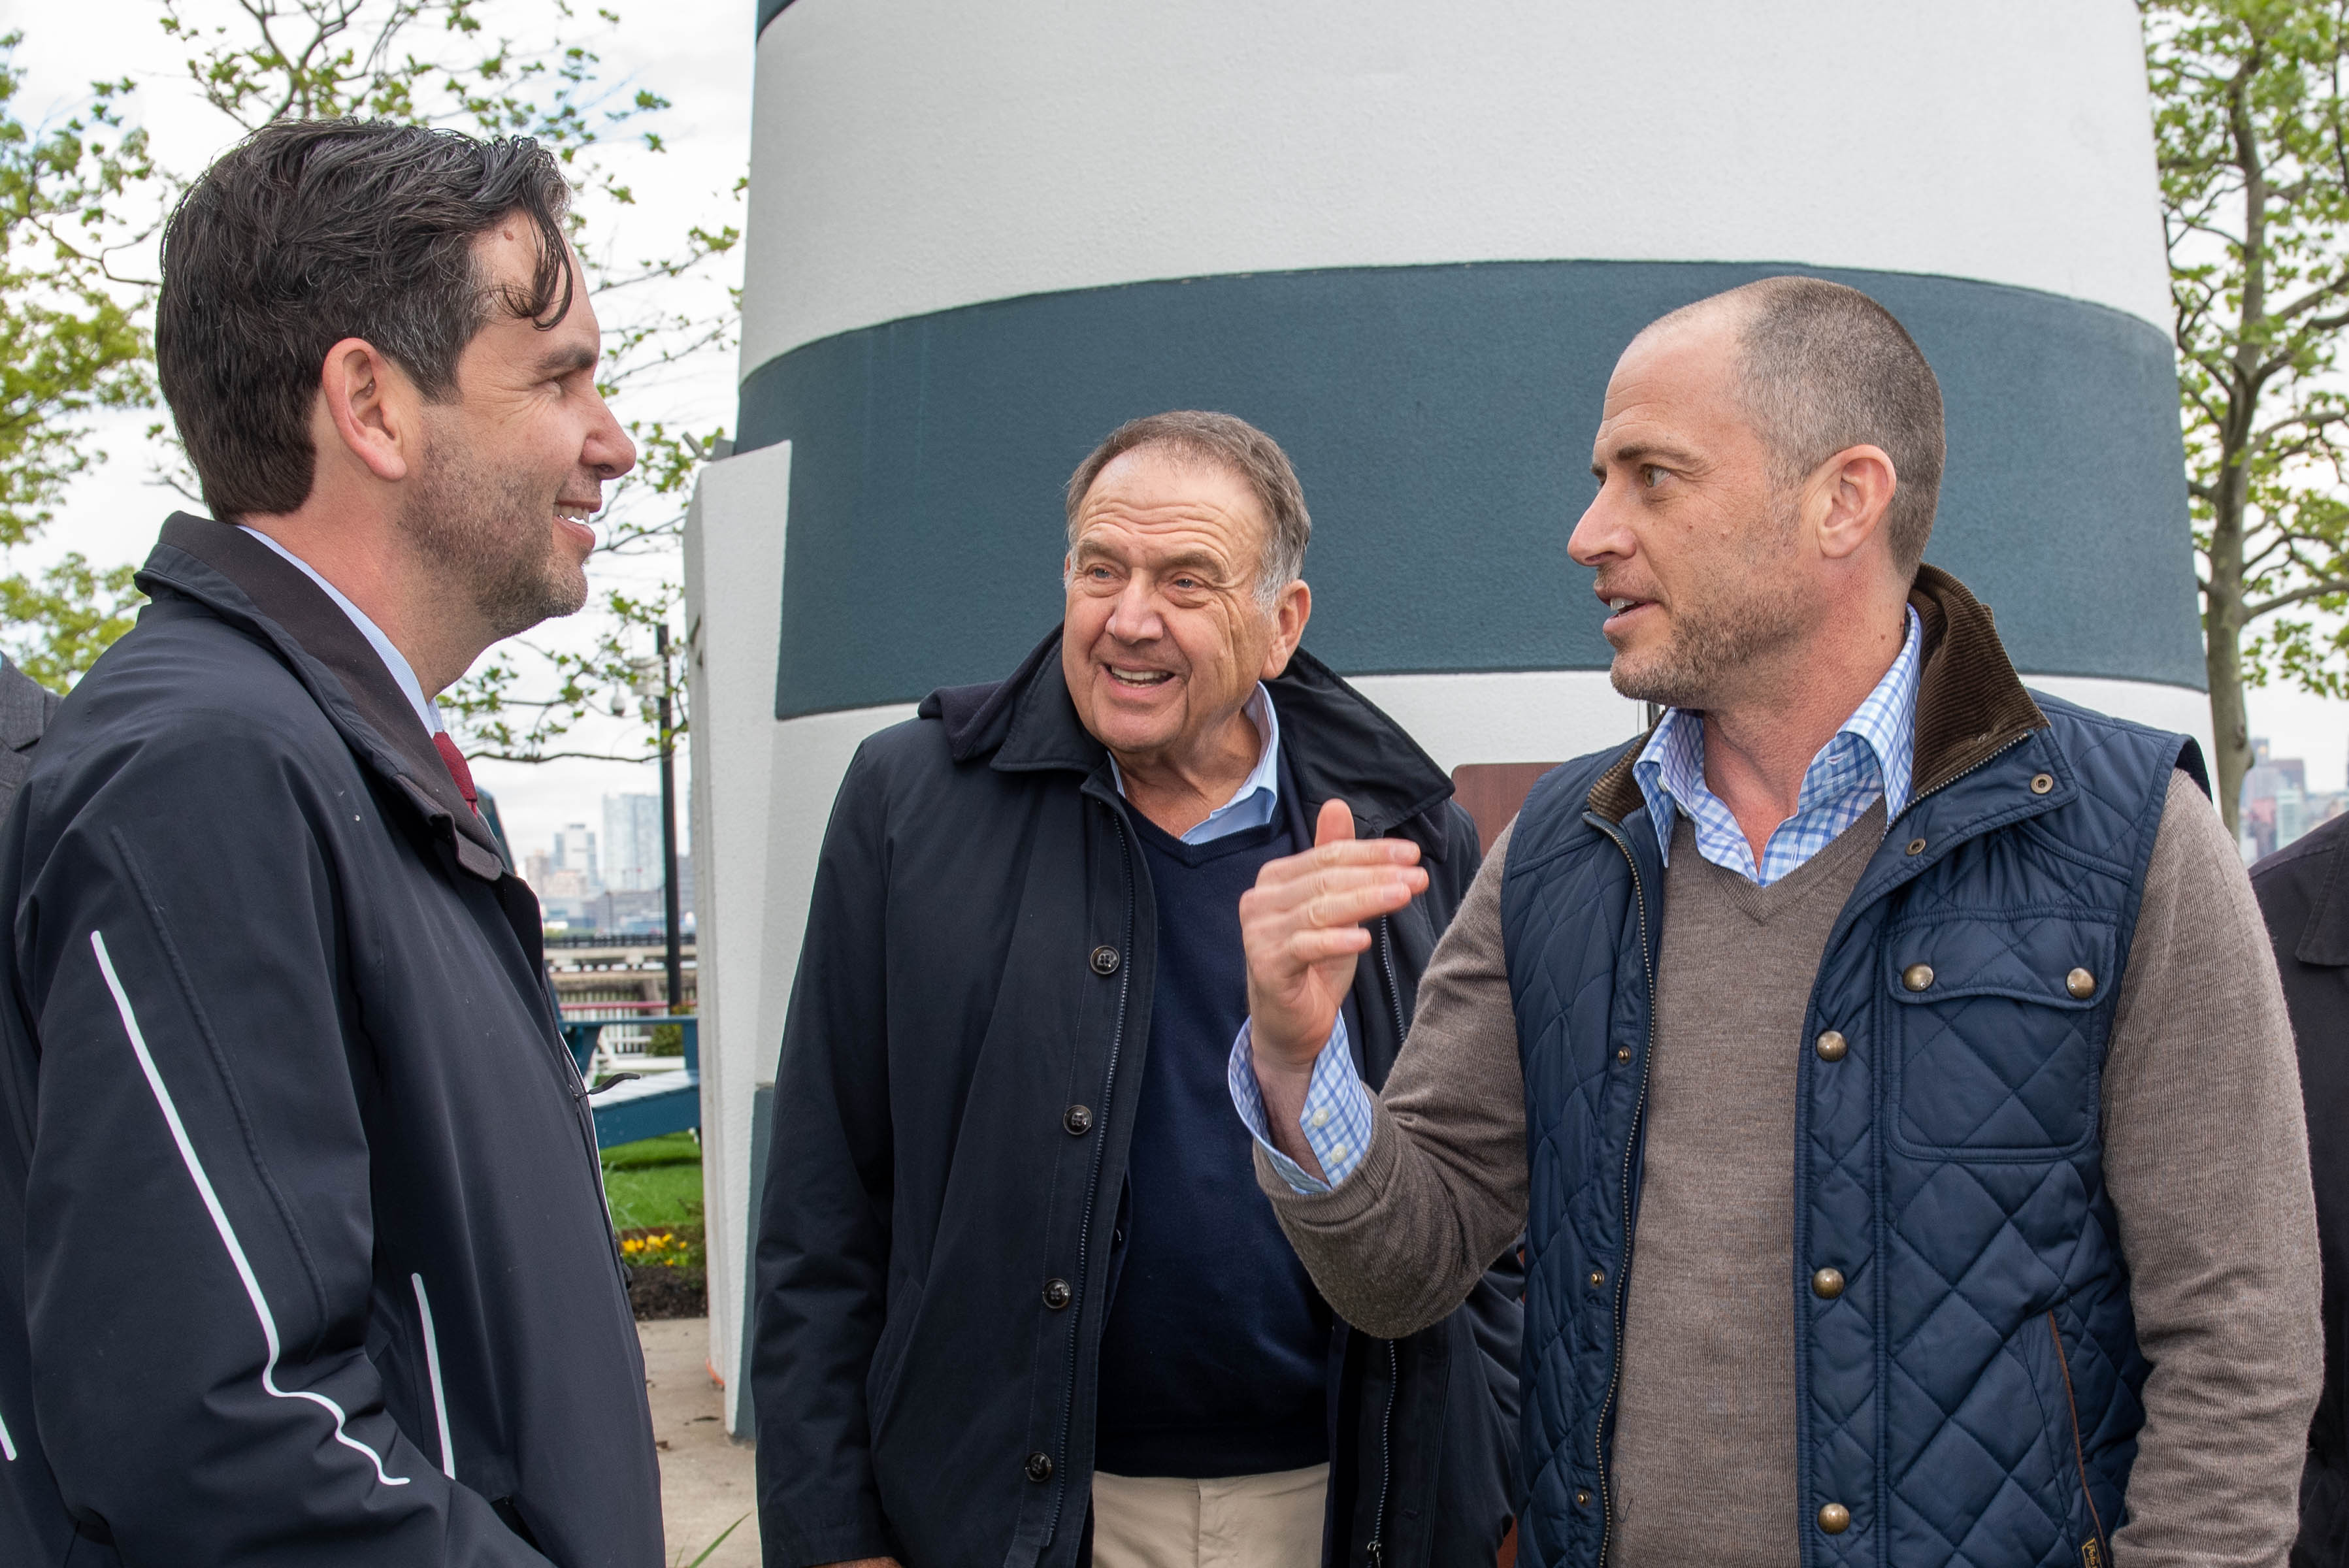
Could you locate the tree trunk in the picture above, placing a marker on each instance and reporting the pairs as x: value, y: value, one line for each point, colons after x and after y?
x: 2222, y: 633
x: 2223, y: 598
x: 2222, y: 662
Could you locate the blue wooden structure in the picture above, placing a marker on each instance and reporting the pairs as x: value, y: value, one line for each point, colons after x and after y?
x: 646, y: 1107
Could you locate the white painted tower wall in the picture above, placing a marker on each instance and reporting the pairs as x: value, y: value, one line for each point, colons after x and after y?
x: 913, y: 157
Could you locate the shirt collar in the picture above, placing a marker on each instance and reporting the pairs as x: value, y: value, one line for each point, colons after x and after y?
x: 1253, y: 803
x: 402, y: 673
x: 1671, y: 767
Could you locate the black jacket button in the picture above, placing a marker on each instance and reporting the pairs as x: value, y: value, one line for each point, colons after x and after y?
x: 1104, y: 960
x: 1057, y: 1293
x: 1040, y: 1467
x: 1078, y: 1120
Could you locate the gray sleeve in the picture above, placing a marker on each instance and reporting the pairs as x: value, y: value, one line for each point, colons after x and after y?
x: 2205, y: 1156
x: 1442, y: 1192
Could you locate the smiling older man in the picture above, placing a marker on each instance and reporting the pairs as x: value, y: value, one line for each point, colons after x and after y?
x: 1019, y: 1301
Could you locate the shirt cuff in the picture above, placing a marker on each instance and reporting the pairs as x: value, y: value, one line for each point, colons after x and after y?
x: 1336, y: 1121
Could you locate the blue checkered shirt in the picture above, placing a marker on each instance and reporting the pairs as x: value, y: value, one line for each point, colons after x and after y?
x: 1336, y: 1121
x: 1869, y: 758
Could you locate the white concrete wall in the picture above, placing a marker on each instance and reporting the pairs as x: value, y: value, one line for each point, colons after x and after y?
x: 913, y: 155
x: 733, y: 599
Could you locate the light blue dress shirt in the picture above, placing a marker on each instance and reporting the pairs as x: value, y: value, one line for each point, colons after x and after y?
x: 393, y: 660
x: 1259, y: 795
x: 1869, y: 757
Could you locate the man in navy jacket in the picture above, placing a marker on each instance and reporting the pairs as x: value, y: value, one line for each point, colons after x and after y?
x: 1019, y: 1300
x: 302, y: 1252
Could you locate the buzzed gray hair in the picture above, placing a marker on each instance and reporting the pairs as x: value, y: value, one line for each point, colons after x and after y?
x: 1823, y: 367
x: 1230, y: 443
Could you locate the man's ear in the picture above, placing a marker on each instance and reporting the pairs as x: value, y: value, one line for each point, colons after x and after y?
x: 1849, y: 495
x: 1291, y: 610
x: 373, y: 407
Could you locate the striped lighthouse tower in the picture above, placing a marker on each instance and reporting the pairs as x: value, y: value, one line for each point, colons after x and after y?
x: 1408, y: 241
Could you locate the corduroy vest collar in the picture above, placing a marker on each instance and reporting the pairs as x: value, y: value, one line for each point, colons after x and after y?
x: 1971, y: 705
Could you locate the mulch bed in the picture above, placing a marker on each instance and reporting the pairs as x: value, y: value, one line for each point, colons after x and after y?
x: 659, y: 1293
x: 679, y: 1289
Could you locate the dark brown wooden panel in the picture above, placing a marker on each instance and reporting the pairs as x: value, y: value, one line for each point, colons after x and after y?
x: 1492, y: 792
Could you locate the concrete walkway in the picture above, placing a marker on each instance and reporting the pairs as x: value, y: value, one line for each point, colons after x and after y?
x: 706, y: 1482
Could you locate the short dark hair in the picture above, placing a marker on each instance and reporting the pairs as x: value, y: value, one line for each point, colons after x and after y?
x: 310, y: 232
x: 1826, y: 367
x: 1823, y: 367
x: 1230, y: 443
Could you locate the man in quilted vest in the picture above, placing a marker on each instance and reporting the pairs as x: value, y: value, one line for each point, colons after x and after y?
x: 1885, y: 1061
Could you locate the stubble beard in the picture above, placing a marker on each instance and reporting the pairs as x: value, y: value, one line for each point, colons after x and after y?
x: 1754, y: 609
x: 492, y: 538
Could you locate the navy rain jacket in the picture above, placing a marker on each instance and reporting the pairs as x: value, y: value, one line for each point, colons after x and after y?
x: 953, y: 1109
x: 303, y: 1256
x: 2303, y: 892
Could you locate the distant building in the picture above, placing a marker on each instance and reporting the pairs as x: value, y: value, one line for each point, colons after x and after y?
x: 632, y: 842
x: 567, y: 900
x: 2278, y: 806
x: 575, y: 851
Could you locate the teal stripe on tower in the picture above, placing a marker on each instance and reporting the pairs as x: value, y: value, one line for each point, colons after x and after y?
x: 1441, y: 419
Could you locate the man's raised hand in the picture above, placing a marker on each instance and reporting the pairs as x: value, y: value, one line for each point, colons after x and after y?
x: 1302, y: 927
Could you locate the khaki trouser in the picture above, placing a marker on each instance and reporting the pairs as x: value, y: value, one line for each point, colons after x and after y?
x: 1231, y: 1521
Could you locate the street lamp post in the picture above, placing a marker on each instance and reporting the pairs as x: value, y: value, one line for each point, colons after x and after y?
x: 670, y: 918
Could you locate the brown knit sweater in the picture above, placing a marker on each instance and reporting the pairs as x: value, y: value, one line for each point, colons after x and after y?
x: 2205, y: 1158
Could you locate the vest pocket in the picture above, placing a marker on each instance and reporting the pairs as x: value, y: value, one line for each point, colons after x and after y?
x: 2072, y: 1444
x: 1998, y: 1025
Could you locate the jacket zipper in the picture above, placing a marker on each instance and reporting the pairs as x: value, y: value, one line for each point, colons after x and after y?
x: 1631, y: 1142
x: 1092, y: 1182
x: 2093, y: 1552
x: 1962, y: 772
x: 586, y: 1116
x: 1376, y: 1554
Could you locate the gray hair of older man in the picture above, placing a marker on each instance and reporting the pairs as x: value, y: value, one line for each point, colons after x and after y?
x: 1229, y: 443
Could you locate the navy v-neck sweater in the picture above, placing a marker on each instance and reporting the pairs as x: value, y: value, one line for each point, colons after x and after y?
x: 1215, y: 1359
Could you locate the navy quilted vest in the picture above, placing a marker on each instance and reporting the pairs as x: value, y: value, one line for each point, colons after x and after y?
x: 1971, y: 1397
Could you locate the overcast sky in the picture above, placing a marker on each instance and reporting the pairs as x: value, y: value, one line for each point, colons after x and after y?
x: 697, y: 54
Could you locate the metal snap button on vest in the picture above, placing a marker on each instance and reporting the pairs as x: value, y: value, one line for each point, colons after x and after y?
x: 1078, y: 1120
x: 1622, y: 1053
x: 2041, y: 783
x: 1917, y: 976
x: 1582, y: 1500
x: 1834, y: 1518
x: 1057, y: 1293
x: 1040, y: 1467
x: 1831, y: 1046
x: 1828, y: 1284
x: 1598, y: 1278
x: 1104, y: 960
x: 1916, y: 846
x: 2081, y: 983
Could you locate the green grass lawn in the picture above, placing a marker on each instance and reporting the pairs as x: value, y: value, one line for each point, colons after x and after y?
x: 655, y: 1182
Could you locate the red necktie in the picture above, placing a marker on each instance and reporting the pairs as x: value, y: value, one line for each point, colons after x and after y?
x: 457, y: 768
